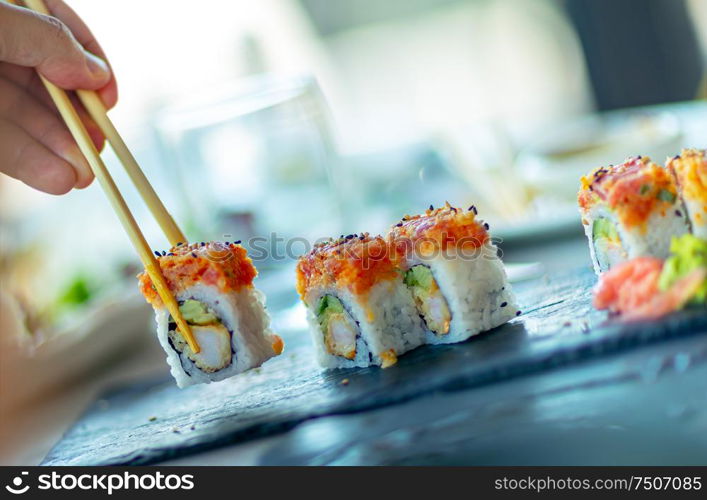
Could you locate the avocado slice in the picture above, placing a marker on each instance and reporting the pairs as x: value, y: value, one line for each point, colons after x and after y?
x: 419, y: 276
x: 326, y: 306
x: 604, y: 228
x: 197, y: 313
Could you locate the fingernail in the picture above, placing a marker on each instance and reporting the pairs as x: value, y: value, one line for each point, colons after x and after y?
x: 97, y: 66
x: 75, y: 157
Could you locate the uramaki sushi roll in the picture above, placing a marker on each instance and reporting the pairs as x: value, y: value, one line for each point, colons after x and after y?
x: 452, y: 270
x: 690, y: 172
x: 630, y: 210
x: 213, y: 285
x: 359, y: 311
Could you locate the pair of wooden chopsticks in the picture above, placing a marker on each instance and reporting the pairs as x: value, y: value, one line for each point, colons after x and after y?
x: 98, y: 112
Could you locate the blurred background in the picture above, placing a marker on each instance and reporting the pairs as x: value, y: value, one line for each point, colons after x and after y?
x: 311, y: 118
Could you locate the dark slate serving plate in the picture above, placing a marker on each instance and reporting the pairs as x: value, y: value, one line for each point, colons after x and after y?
x: 645, y: 406
x: 156, y: 421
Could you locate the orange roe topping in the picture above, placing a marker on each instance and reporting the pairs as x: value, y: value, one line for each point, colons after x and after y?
x: 437, y: 230
x: 355, y: 262
x: 223, y: 265
x: 634, y: 190
x: 690, y: 170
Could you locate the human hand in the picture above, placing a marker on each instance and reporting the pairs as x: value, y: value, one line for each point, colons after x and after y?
x: 35, y: 145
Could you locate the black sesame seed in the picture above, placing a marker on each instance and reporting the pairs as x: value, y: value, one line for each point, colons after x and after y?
x: 678, y: 213
x: 504, y: 304
x: 193, y: 255
x: 473, y: 209
x: 237, y: 242
x: 486, y: 225
x: 432, y: 207
x: 399, y: 224
x: 179, y: 243
x: 157, y: 253
x: 170, y: 254
x: 164, y: 252
x: 517, y: 313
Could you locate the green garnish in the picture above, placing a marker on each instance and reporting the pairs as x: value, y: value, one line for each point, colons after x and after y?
x: 689, y: 253
x: 645, y: 188
x: 665, y: 195
x: 78, y: 292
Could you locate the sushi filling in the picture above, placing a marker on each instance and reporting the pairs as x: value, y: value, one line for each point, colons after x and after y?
x: 213, y: 337
x: 431, y: 304
x: 607, y: 244
x: 338, y: 327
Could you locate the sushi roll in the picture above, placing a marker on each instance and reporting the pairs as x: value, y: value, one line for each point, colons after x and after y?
x: 630, y: 210
x: 690, y: 172
x: 452, y: 271
x: 213, y: 285
x: 358, y: 309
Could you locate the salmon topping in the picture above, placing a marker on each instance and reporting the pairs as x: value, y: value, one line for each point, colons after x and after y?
x: 438, y: 230
x: 354, y: 262
x: 224, y: 265
x: 634, y: 190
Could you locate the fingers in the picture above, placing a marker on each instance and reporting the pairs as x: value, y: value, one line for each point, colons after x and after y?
x: 44, y: 126
x: 109, y: 93
x: 44, y: 42
x: 27, y: 79
x: 29, y: 161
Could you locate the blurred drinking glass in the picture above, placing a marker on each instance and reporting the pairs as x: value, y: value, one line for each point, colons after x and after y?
x: 253, y: 162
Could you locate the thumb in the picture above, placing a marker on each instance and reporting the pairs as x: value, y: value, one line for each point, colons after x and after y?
x: 45, y: 43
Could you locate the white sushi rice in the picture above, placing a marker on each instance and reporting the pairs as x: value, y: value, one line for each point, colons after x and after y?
x: 476, y: 289
x: 654, y: 241
x: 386, y: 317
x: 242, y: 313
